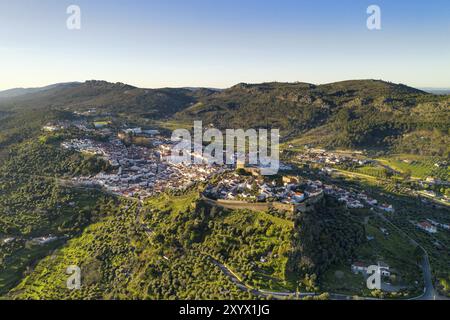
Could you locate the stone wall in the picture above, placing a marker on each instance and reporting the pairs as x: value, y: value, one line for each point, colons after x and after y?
x: 305, y: 206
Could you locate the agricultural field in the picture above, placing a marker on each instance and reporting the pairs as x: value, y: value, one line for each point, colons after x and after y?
x: 372, y: 181
x: 419, y: 166
x: 374, y: 171
x: 102, y: 123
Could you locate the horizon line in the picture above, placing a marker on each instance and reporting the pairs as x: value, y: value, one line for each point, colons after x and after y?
x: 219, y: 88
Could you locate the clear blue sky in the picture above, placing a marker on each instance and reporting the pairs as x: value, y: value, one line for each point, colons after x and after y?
x: 218, y: 43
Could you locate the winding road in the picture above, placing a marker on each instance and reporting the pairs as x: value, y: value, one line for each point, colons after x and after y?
x: 277, y: 295
x: 261, y: 293
x: 429, y: 291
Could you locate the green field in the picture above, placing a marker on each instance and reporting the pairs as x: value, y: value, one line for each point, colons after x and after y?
x: 15, y: 265
x: 419, y: 166
x: 102, y: 123
x: 374, y: 171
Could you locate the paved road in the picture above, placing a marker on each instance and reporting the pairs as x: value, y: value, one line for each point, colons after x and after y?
x: 429, y: 291
x: 277, y: 295
x: 261, y: 293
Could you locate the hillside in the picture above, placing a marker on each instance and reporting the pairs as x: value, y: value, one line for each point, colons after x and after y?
x: 34, y: 202
x: 17, y: 92
x: 23, y: 116
x: 171, y: 245
x: 361, y: 114
x: 166, y: 249
x: 364, y: 114
x: 109, y: 97
x: 160, y: 249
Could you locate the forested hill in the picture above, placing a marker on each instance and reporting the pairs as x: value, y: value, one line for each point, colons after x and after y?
x: 23, y: 115
x: 112, y: 97
x: 364, y: 114
x: 299, y: 106
x: 17, y: 92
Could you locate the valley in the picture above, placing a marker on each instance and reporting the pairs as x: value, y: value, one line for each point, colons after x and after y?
x: 86, y: 180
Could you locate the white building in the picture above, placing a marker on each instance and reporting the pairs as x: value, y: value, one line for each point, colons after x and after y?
x: 359, y: 267
x: 428, y: 227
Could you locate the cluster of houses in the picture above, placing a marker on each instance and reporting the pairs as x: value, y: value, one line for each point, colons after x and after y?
x: 8, y: 240
x: 291, y: 190
x: 427, y: 227
x: 143, y: 171
x: 98, y: 127
x: 93, y: 147
x: 355, y: 199
x: 140, y: 131
x: 44, y: 240
x: 431, y: 226
x: 52, y: 127
x: 330, y: 158
x: 258, y: 189
x: 327, y: 160
x: 139, y: 171
x: 86, y: 113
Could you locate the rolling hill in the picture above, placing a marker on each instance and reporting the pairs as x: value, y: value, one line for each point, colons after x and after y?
x: 17, y: 92
x: 165, y: 247
x: 364, y: 114
x: 369, y: 114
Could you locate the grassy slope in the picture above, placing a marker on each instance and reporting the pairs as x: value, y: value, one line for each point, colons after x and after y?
x: 123, y: 260
x: 161, y: 251
x: 419, y: 166
x: 33, y: 203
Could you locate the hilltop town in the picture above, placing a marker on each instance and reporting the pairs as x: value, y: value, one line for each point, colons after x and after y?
x: 139, y: 171
x: 143, y: 171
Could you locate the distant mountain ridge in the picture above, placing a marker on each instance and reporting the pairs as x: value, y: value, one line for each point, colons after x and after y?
x: 371, y: 114
x: 17, y: 92
x: 440, y: 91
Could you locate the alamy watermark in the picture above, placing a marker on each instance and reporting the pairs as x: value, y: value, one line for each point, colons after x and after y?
x: 258, y: 148
x: 74, y: 280
x: 374, y: 280
x: 73, y: 22
x: 374, y: 20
